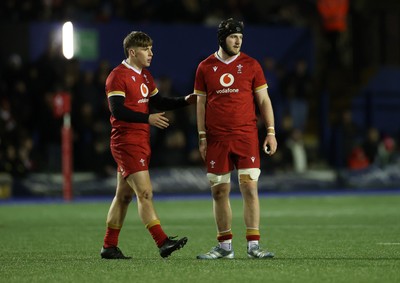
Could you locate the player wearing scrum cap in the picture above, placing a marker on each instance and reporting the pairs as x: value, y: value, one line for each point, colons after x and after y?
x: 230, y: 84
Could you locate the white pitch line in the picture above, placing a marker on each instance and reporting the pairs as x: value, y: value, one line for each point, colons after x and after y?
x: 389, y: 244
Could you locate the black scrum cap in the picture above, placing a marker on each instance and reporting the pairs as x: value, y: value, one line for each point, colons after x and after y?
x: 226, y: 28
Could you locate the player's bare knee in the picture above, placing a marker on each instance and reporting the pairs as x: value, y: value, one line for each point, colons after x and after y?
x: 249, y: 192
x: 220, y: 192
x: 145, y: 195
x: 219, y: 187
x: 248, y: 175
x: 124, y: 197
x: 127, y: 199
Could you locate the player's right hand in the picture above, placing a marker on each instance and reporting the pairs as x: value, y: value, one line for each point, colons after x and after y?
x: 203, y: 148
x: 159, y: 120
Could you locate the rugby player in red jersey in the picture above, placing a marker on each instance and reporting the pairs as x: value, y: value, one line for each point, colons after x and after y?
x: 230, y: 85
x: 130, y: 89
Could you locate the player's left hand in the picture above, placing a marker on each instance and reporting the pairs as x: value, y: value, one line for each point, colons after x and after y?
x: 270, y: 145
x: 191, y: 98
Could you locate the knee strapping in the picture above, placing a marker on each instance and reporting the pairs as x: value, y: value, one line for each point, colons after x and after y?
x: 219, y: 179
x: 248, y: 175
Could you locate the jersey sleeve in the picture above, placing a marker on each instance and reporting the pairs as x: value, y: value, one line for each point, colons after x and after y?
x: 115, y: 85
x: 259, y: 82
x: 199, y: 83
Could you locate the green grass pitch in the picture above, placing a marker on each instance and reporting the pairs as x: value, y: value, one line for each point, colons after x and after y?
x: 347, y: 238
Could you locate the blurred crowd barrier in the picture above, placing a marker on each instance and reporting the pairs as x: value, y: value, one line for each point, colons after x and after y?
x: 177, y: 181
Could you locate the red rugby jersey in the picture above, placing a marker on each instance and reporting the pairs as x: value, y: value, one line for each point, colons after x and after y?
x: 229, y: 87
x: 137, y: 87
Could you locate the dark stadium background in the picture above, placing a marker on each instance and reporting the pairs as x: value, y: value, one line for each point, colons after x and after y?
x: 361, y: 79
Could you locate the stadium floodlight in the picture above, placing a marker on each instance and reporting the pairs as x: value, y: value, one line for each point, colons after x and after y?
x: 68, y: 40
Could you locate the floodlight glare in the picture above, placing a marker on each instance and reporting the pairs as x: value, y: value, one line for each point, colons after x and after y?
x: 68, y: 40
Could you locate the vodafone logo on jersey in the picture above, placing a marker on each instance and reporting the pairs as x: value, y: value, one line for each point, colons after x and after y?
x: 226, y: 80
x: 145, y: 92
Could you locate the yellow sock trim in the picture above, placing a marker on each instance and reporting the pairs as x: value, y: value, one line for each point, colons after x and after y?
x: 153, y: 223
x: 252, y: 232
x: 224, y: 233
x: 114, y: 226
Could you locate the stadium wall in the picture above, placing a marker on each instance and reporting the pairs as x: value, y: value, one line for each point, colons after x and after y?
x: 178, y: 48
